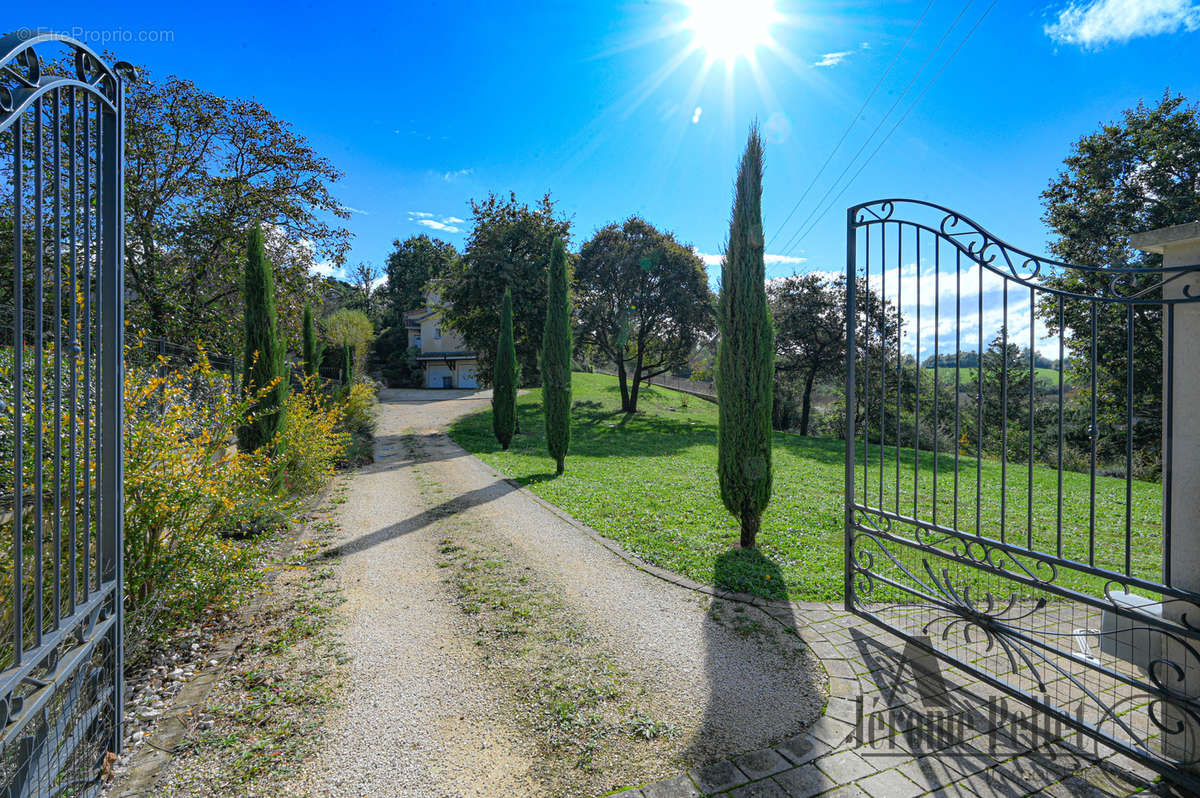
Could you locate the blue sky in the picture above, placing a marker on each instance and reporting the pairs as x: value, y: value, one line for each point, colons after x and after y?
x: 610, y: 106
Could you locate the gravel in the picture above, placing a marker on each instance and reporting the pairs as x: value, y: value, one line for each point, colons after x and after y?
x: 419, y: 717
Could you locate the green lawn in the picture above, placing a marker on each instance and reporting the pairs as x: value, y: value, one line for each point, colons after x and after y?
x: 649, y: 482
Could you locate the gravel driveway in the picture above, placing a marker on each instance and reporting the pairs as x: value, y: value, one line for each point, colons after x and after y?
x: 423, y: 715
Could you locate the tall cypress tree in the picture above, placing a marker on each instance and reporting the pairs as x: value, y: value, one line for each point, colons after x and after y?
x: 556, y: 358
x: 504, y: 381
x: 746, y: 354
x: 263, y: 362
x: 311, y: 352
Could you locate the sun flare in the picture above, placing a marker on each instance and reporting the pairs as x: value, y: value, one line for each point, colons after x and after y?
x: 730, y: 29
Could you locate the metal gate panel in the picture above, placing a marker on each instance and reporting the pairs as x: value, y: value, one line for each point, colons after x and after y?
x: 61, y: 357
x: 1007, y: 520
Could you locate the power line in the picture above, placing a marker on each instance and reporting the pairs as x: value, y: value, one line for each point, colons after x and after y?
x: 853, y: 122
x: 883, y: 120
x: 899, y: 122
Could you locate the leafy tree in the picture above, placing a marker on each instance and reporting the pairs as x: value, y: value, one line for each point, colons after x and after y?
x: 311, y: 344
x: 642, y: 299
x: 504, y: 380
x: 411, y: 264
x: 1139, y: 173
x: 810, y: 331
x: 200, y: 170
x: 367, y: 296
x: 746, y: 355
x: 263, y: 365
x: 351, y: 331
x: 508, y: 249
x: 556, y: 358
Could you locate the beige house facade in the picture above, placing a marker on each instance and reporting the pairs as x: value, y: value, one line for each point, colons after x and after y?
x: 444, y: 357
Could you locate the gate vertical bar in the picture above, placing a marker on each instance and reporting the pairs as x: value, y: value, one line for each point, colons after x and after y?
x: 851, y: 400
x: 112, y: 351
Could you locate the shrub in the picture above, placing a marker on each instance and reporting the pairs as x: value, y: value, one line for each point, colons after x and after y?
x: 187, y: 491
x: 312, y: 440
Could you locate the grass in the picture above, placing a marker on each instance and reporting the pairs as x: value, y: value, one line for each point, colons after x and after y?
x: 1047, y: 378
x: 648, y: 481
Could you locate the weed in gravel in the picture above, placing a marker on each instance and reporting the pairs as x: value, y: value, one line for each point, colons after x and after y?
x: 584, y: 710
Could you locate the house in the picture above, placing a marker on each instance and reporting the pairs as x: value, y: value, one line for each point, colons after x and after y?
x: 444, y: 357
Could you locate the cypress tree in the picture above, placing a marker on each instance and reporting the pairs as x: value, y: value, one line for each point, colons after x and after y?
x: 556, y: 358
x: 746, y: 354
x: 309, y: 342
x: 504, y: 381
x: 263, y: 357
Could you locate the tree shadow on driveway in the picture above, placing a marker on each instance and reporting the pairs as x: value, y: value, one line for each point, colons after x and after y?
x: 763, y: 684
x: 414, y: 523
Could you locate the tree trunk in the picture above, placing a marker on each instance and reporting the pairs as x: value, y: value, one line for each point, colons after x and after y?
x: 560, y: 466
x: 633, y: 393
x: 623, y: 379
x: 749, y: 529
x: 806, y: 402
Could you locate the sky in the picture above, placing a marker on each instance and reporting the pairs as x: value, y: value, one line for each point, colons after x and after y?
x: 621, y: 108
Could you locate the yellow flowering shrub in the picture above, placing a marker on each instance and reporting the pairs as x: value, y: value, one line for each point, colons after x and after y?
x: 194, y: 503
x: 311, y: 441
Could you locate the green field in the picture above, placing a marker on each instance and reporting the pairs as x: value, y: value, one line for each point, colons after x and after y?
x: 649, y: 482
x: 1046, y: 378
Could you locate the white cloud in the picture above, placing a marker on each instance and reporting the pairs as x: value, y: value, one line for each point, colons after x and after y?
x: 359, y: 211
x: 696, y: 115
x: 444, y: 224
x: 326, y: 269
x: 774, y: 259
x: 436, y: 225
x: 448, y: 176
x: 1095, y: 23
x: 833, y: 59
x: 714, y: 259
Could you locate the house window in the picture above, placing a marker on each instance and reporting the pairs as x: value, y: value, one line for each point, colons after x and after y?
x: 437, y: 333
x: 417, y: 341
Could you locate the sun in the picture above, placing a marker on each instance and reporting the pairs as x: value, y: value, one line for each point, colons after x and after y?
x: 730, y: 29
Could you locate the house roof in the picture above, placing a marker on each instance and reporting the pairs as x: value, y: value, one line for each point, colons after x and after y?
x: 447, y: 356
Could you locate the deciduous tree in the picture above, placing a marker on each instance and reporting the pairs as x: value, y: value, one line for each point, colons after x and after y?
x: 201, y: 169
x: 411, y: 264
x: 810, y: 331
x: 508, y: 249
x: 1139, y: 173
x: 643, y: 300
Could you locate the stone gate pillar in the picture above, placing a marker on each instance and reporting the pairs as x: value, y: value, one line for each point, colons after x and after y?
x: 1180, y: 246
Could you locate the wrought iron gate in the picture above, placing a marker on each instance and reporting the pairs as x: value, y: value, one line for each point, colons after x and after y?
x: 61, y: 292
x: 1007, y: 517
